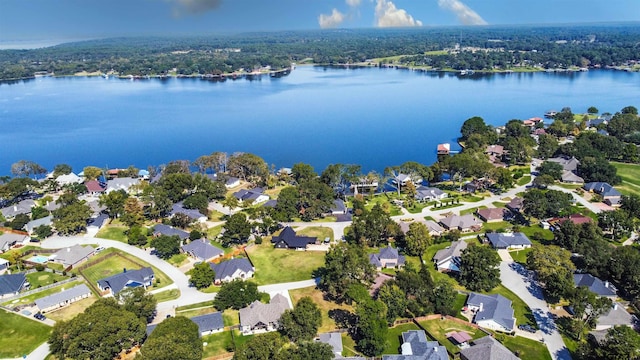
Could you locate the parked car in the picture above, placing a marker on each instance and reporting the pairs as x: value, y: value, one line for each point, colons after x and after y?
x: 39, y: 316
x: 99, y: 248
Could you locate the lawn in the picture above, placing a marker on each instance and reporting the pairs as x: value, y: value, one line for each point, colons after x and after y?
x: 194, y: 306
x: 43, y: 278
x: 499, y: 204
x: 630, y: 174
x: 385, y: 201
x: 217, y: 344
x: 178, y: 260
x: 69, y: 312
x: 21, y: 250
x: 116, y: 264
x: 438, y: 328
x: 523, y: 180
x: 113, y: 232
x: 31, y: 298
x: 521, y: 311
x: 520, y: 256
x: 535, y: 231
x: 213, y: 232
x: 461, y: 299
x: 20, y: 336
x: 394, y: 337
x: 349, y: 346
x: 167, y: 295
x: 328, y: 324
x: 317, y: 232
x: 215, y: 216
x: 525, y: 349
x: 281, y: 265
x: 472, y: 210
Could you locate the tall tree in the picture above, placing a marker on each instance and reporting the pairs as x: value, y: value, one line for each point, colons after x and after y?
x: 166, y: 246
x: 61, y: 169
x: 72, y: 218
x: 139, y: 302
x: 92, y: 172
x: 249, y: 167
x: 394, y: 299
x: 344, y: 265
x: 301, y: 323
x: 114, y: 202
x: 479, y: 268
x: 554, y: 269
x: 236, y: 294
x: 236, y: 230
x: 261, y: 347
x: 372, y: 327
x: 306, y: 351
x: 174, y: 338
x: 417, y: 239
x: 202, y: 275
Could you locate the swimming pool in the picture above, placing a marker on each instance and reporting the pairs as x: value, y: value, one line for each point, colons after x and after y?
x: 39, y: 259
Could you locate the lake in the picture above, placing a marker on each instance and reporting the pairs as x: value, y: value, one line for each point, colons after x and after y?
x: 372, y: 117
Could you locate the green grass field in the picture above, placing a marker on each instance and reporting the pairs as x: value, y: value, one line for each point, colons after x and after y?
x: 394, y: 337
x: 439, y: 328
x: 113, y: 232
x: 167, y: 295
x: 69, y: 312
x: 630, y: 174
x: 281, y: 265
x: 525, y: 349
x: 178, y: 260
x: 317, y: 232
x: 217, y: 344
x: 520, y: 256
x: 43, y: 278
x: 20, y: 336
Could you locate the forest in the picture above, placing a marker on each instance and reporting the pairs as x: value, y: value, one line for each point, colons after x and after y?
x: 487, y: 48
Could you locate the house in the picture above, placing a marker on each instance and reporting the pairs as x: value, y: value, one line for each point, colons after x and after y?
x: 33, y: 224
x: 124, y: 183
x: 477, y: 185
x: 515, y: 205
x: 509, y: 241
x: 487, y: 348
x: 4, y: 265
x: 259, y: 317
x: 95, y: 223
x: 460, y: 338
x: 338, y: 208
x: 209, y: 323
x: 333, y: 339
x: 434, y: 228
x: 443, y: 149
x: 52, y: 205
x: 289, y: 240
x: 617, y: 315
x: 464, y: 223
x: 202, y: 250
x: 239, y: 268
x: 495, y: 152
x: 254, y: 196
x: 568, y: 163
x: 132, y: 278
x: 7, y: 240
x: 448, y: 259
x: 193, y: 214
x: 63, y: 298
x: 576, y: 219
x: 162, y: 229
x: 11, y: 284
x: 232, y: 182
x: 569, y: 177
x: 415, y: 346
x: 491, y: 215
x: 404, y: 179
x: 425, y: 193
x: 364, y: 184
x: 492, y: 311
x: 23, y: 207
x: 68, y: 179
x: 72, y: 255
x: 388, y: 257
x: 595, y: 285
x: 94, y: 187
x: 270, y: 203
x: 609, y: 194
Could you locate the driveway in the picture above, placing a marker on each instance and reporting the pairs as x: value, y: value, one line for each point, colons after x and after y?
x: 520, y: 281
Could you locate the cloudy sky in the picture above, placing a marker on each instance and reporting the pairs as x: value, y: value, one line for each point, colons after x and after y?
x: 77, y: 19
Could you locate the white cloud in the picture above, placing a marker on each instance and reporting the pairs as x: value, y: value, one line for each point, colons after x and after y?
x: 353, y: 3
x: 331, y: 21
x: 388, y: 15
x: 464, y: 13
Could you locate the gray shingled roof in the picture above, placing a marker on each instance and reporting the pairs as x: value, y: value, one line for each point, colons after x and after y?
x: 334, y: 340
x: 33, y: 224
x: 292, y: 240
x: 259, y: 313
x: 229, y: 267
x: 494, y: 307
x: 425, y: 192
x: 209, y: 322
x: 179, y: 208
x: 252, y: 194
x: 121, y: 184
x: 202, y: 250
x: 416, y: 346
x: 162, y: 229
x: 454, y: 250
x: 602, y: 188
x: 73, y: 254
x: 505, y: 240
x: 118, y: 282
x: 386, y: 253
x: 9, y: 239
x: 594, y: 284
x: 62, y: 296
x: 487, y: 348
x: 463, y: 222
x: 23, y: 207
x: 11, y: 283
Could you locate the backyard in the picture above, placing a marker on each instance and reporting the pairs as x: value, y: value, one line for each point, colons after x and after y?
x: 70, y: 311
x: 280, y: 265
x: 32, y: 297
x: 43, y: 278
x: 20, y: 336
x: 525, y: 349
x: 394, y: 337
x: 438, y: 328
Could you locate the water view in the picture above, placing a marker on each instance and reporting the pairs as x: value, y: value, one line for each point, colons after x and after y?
x: 373, y: 117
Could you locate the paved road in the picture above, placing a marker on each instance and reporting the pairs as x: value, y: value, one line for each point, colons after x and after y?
x: 520, y: 281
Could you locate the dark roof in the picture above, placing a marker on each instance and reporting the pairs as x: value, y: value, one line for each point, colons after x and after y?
x: 209, y: 322
x: 386, y: 253
x: 229, y: 267
x: 505, y: 240
x: 98, y: 221
x: 594, y: 284
x: 251, y: 194
x: 202, y: 250
x: 162, y: 229
x: 491, y: 213
x: 338, y: 206
x: 11, y: 283
x: 271, y: 203
x: 516, y: 204
x: 150, y: 329
x: 293, y: 241
x: 179, y: 208
x: 602, y: 188
x: 118, y: 282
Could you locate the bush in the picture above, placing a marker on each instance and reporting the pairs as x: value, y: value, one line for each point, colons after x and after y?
x: 258, y: 240
x: 39, y: 267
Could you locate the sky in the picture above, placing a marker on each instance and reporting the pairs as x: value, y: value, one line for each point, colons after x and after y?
x: 42, y: 21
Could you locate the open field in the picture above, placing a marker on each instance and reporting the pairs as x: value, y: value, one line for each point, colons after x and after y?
x: 20, y: 336
x: 217, y: 344
x: 317, y: 232
x: 328, y: 324
x: 438, y: 328
x: 630, y: 174
x: 281, y: 265
x: 69, y: 312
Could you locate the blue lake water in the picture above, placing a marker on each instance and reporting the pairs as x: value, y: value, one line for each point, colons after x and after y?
x: 373, y: 117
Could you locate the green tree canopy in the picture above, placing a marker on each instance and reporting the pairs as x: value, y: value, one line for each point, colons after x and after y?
x: 166, y: 246
x: 301, y: 323
x: 554, y: 269
x: 202, y: 275
x: 236, y: 230
x: 139, y: 302
x: 479, y: 268
x: 236, y: 294
x: 372, y: 327
x: 114, y: 202
x: 174, y: 338
x: 344, y: 265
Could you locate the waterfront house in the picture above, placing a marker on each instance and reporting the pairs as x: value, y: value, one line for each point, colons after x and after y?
x: 68, y: 179
x: 491, y: 215
x: 232, y: 182
x: 254, y: 196
x: 259, y: 317
x: 288, y: 239
x: 509, y: 241
x: 609, y: 194
x: 464, y: 223
x: 63, y: 298
x: 595, y: 285
x: 202, y: 250
x: 72, y: 255
x: 209, y: 323
x: 404, y: 179
x: 12, y: 284
x: 388, y: 257
x: 443, y: 149
x: 125, y: 183
x: 448, y: 259
x: 492, y: 311
x: 132, y: 278
x: 94, y: 187
x: 416, y: 346
x: 487, y: 348
x: 239, y: 268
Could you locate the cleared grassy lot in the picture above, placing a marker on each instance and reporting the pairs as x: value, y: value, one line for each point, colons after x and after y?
x: 630, y: 174
x: 113, y: 232
x: 281, y: 265
x: 526, y: 349
x: 20, y: 336
x: 317, y: 232
x: 328, y: 324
